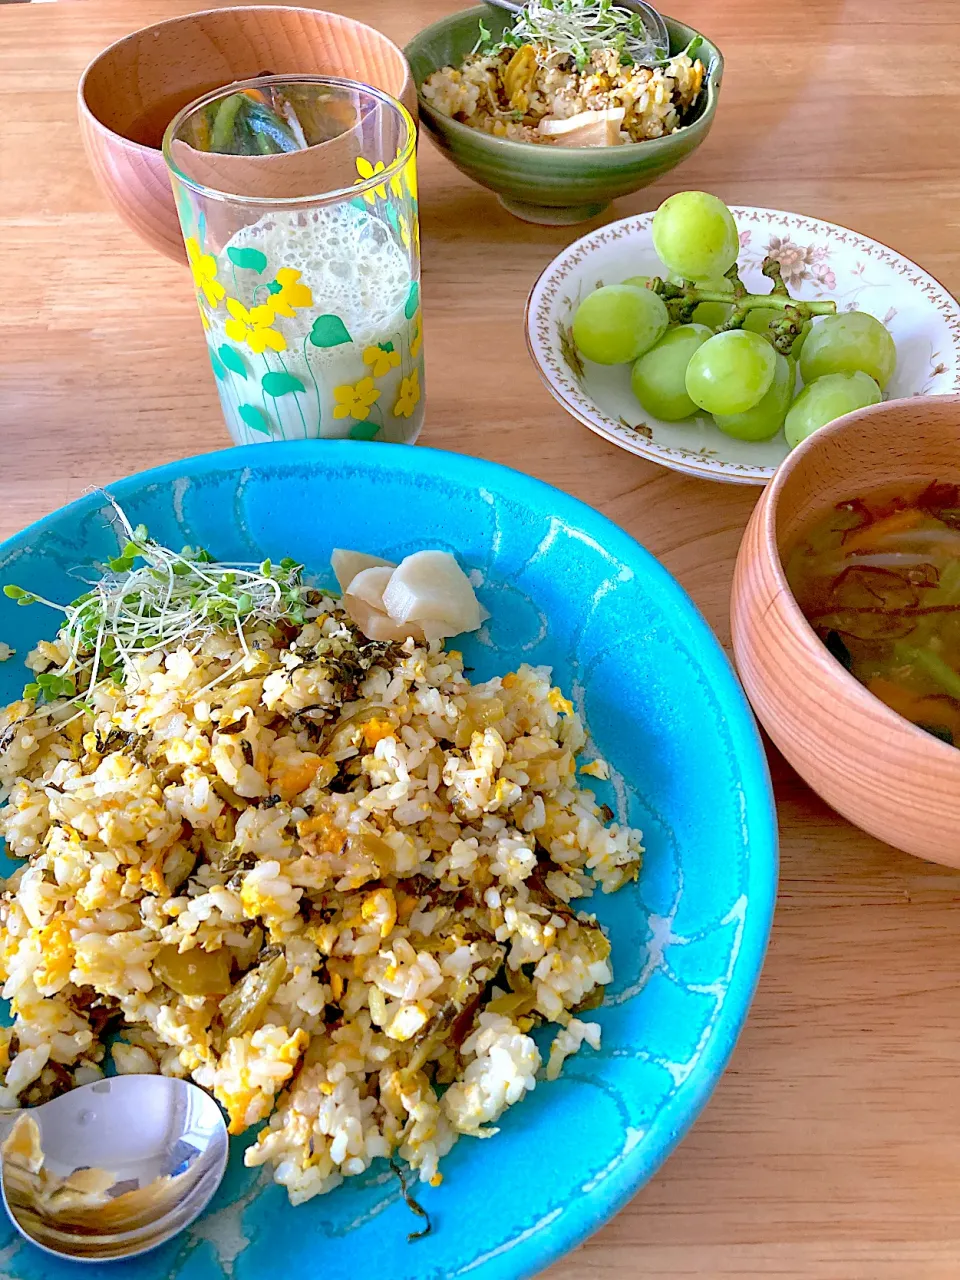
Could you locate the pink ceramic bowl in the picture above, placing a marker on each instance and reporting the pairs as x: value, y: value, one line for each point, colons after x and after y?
x: 883, y: 773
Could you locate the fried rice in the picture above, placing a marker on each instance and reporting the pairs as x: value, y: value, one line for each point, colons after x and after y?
x: 519, y: 94
x: 333, y: 881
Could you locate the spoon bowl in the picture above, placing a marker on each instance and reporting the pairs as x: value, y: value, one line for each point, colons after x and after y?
x: 113, y: 1168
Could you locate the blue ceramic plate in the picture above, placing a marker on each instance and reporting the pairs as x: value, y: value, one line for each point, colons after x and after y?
x: 567, y: 588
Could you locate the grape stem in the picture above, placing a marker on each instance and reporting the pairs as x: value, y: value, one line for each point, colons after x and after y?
x: 682, y: 299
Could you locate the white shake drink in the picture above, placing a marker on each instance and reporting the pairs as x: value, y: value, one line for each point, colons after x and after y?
x: 314, y: 326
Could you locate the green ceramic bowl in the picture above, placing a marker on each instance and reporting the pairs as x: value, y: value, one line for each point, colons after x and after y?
x: 553, y: 185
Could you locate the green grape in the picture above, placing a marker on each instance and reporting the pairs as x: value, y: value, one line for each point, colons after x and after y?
x: 618, y: 322
x: 827, y: 398
x: 800, y: 342
x: 849, y: 343
x: 658, y: 376
x: 731, y: 372
x: 758, y: 321
x: 765, y: 418
x: 638, y: 282
x: 712, y: 314
x: 695, y: 235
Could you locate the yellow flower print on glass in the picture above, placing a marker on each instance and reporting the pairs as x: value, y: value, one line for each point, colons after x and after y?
x: 355, y: 401
x: 254, y: 327
x: 292, y: 294
x: 383, y: 359
x: 409, y: 396
x: 203, y: 268
x: 410, y: 175
x: 416, y: 342
x: 367, y: 170
x: 404, y: 231
x: 396, y: 182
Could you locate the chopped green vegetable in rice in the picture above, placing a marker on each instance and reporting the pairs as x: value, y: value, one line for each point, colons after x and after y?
x: 331, y: 880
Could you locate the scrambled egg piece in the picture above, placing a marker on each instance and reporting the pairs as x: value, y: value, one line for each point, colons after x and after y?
x: 375, y: 731
x: 290, y: 778
x: 320, y: 834
x: 519, y: 76
x: 248, y: 1103
x: 380, y: 906
x: 560, y: 703
x: 53, y: 971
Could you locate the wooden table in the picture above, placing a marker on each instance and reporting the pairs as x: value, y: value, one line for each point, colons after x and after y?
x: 832, y: 1146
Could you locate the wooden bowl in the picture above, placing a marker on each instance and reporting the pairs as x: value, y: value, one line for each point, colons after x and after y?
x: 884, y: 774
x: 131, y: 91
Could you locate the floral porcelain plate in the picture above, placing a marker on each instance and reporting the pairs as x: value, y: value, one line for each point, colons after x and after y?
x: 818, y: 260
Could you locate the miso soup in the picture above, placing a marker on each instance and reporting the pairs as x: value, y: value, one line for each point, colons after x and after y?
x: 878, y: 578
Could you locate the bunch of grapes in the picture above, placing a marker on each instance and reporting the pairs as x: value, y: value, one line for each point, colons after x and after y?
x: 699, y: 342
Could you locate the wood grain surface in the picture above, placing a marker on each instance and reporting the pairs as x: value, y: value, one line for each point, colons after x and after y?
x: 831, y: 1149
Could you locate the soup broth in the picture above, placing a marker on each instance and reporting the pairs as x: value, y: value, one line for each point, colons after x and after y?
x: 878, y: 578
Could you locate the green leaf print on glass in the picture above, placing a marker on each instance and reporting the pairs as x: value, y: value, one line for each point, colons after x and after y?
x: 358, y: 203
x: 232, y: 358
x: 364, y: 430
x: 393, y: 218
x: 329, y: 331
x: 280, y: 384
x: 219, y: 371
x: 185, y: 211
x: 274, y: 288
x: 255, y: 418
x: 251, y: 259
x: 413, y: 300
x: 386, y: 346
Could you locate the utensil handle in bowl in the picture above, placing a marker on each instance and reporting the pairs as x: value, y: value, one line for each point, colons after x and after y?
x: 654, y: 22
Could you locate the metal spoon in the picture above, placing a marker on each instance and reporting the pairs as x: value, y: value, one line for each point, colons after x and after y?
x: 144, y: 1155
x: 656, y: 27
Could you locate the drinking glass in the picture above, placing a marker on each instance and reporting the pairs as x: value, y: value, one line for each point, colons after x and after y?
x: 306, y: 262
